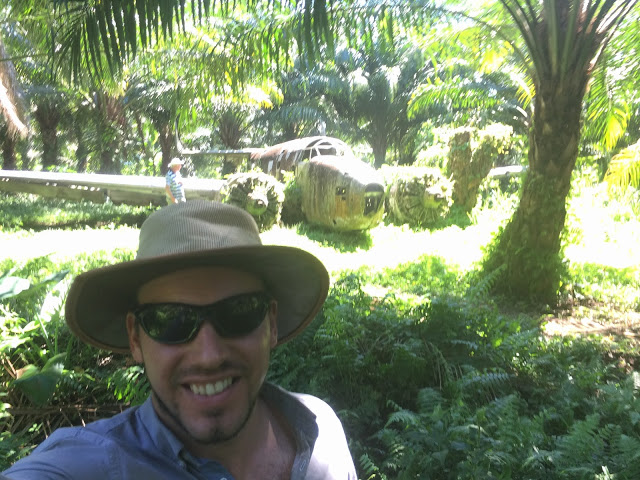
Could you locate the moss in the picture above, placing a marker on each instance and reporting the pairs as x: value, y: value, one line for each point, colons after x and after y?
x: 259, y: 194
x: 418, y: 196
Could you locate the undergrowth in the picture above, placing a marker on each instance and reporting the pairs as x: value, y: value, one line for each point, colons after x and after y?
x: 30, y: 212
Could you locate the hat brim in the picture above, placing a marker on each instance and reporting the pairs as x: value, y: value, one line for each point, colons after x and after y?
x: 98, y: 300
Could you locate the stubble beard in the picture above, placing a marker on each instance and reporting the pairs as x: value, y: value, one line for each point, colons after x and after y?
x: 213, y: 437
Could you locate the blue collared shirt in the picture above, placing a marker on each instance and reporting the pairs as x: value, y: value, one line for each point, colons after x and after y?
x: 136, y: 445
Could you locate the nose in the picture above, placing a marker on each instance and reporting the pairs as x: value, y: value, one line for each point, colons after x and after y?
x: 209, y: 347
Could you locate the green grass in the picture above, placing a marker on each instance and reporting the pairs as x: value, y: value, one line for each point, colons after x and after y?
x: 28, y: 212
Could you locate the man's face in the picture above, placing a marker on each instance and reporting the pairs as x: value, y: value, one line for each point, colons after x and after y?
x: 204, y: 390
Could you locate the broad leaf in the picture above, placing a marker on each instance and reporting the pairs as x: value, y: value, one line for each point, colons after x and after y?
x: 39, y: 385
x: 12, y: 286
x: 54, y: 278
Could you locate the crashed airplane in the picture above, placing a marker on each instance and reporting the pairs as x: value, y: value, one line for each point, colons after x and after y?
x: 337, y: 190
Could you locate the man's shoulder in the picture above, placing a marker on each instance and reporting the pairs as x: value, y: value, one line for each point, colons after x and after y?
x: 331, y: 458
x: 285, y: 399
x: 318, y: 406
x: 98, y: 432
x: 70, y: 452
x: 79, y: 452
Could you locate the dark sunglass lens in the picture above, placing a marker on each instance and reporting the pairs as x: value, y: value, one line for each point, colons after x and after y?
x: 241, y: 315
x: 169, y: 323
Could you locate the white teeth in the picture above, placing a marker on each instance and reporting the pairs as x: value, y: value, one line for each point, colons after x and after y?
x: 210, y: 388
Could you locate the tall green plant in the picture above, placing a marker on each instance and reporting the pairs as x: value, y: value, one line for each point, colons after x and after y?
x: 564, y: 40
x: 33, y: 342
x: 370, y: 88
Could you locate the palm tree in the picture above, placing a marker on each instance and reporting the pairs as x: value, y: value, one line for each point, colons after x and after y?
x: 159, y: 101
x: 298, y: 110
x: 51, y: 104
x: 13, y: 109
x: 371, y: 88
x: 24, y: 37
x: 612, y: 110
x: 564, y: 40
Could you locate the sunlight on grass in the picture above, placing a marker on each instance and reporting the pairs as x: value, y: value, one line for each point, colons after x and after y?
x: 602, y: 230
x: 65, y: 244
x: 393, y: 245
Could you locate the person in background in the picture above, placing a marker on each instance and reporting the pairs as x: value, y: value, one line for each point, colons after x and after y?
x: 201, y: 307
x: 174, y: 187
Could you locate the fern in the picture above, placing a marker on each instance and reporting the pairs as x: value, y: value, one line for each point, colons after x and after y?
x: 129, y: 385
x: 486, y: 386
x: 428, y: 400
x: 403, y: 417
x: 369, y: 469
x: 485, y: 283
x: 581, y: 447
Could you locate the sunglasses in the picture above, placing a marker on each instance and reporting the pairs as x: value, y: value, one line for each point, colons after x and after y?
x: 232, y: 317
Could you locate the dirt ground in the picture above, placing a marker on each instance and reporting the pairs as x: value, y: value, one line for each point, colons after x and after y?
x: 591, y: 318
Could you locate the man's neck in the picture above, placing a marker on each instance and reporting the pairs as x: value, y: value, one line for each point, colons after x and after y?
x: 264, y: 448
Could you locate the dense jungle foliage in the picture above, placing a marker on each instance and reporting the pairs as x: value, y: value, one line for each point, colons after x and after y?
x: 427, y: 346
x: 432, y: 377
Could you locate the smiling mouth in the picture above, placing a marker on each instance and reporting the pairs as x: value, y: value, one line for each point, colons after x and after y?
x: 209, y: 389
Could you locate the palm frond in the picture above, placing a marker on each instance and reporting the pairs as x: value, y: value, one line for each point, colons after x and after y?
x: 527, y: 22
x: 125, y: 27
x: 624, y: 169
x: 608, y: 110
x: 570, y: 38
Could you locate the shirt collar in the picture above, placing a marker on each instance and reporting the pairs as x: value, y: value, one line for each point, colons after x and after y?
x: 300, y: 418
x: 163, y: 438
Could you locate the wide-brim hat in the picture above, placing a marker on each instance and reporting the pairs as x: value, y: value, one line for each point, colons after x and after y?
x: 191, y: 234
x: 175, y: 161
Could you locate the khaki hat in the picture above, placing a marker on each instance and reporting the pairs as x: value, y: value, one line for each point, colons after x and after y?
x: 175, y: 161
x: 195, y: 234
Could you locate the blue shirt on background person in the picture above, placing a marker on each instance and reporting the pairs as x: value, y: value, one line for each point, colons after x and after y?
x: 174, y: 186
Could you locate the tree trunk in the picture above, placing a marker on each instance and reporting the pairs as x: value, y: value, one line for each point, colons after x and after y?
x: 108, y: 162
x: 82, y: 152
x: 526, y: 257
x: 48, y: 117
x: 379, y: 147
x: 49, y: 146
x: 167, y: 142
x: 110, y: 129
x: 147, y: 155
x: 9, y: 160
